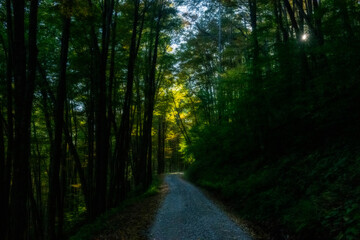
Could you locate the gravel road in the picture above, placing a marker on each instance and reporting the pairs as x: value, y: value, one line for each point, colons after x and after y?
x: 188, y: 214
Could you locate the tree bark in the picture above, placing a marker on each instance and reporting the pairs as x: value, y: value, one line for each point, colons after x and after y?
x: 6, y: 180
x: 111, y: 115
x: 24, y: 89
x: 102, y: 128
x: 123, y: 135
x: 37, y: 205
x: 150, y: 89
x: 3, y: 200
x: 54, y: 171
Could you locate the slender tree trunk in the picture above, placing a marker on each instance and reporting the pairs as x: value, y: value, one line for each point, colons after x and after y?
x: 256, y: 74
x: 3, y: 200
x: 62, y: 193
x: 159, y: 159
x: 279, y: 20
x: 10, y: 124
x: 161, y: 145
x: 54, y: 171
x: 35, y: 213
x: 111, y: 114
x: 90, y: 130
x: 292, y: 19
x: 93, y: 119
x: 164, y: 127
x: 6, y: 167
x: 102, y: 128
x: 37, y: 180
x: 47, y: 95
x: 79, y: 169
x: 123, y: 135
x: 137, y: 144
x: 150, y: 89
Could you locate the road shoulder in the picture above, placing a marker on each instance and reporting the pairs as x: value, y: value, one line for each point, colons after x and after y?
x: 133, y: 220
x: 254, y: 231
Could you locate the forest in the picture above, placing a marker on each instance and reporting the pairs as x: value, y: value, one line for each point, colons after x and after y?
x: 256, y: 100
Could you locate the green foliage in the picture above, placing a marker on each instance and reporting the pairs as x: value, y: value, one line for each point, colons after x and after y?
x: 312, y: 197
x: 279, y: 133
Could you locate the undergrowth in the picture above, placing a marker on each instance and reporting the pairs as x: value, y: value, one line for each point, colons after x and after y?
x: 306, y: 196
x: 88, y: 230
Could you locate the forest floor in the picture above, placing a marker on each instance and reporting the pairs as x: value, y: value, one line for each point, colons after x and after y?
x: 187, y: 213
x: 135, y: 220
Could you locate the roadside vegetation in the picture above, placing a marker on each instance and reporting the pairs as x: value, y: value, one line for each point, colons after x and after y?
x: 111, y: 221
x: 277, y: 128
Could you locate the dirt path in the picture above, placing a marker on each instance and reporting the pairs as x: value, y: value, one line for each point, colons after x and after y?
x: 188, y: 214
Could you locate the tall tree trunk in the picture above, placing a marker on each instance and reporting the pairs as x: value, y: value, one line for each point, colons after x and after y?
x: 24, y: 89
x: 7, y: 167
x: 3, y: 200
x: 123, y: 135
x: 111, y: 115
x: 56, y: 159
x: 90, y: 130
x: 150, y: 89
x: 257, y: 88
x: 102, y: 128
x: 93, y: 119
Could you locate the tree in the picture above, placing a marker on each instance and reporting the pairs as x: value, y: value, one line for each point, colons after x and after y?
x: 123, y: 135
x: 24, y: 90
x: 54, y: 197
